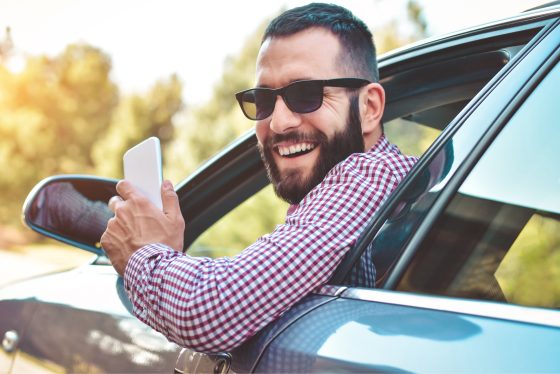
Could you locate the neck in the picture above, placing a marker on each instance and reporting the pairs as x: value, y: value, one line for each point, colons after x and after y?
x: 371, y: 139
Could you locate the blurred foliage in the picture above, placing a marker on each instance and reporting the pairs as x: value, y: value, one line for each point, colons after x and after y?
x: 412, y: 138
x: 63, y: 115
x: 390, y: 36
x: 206, y: 130
x: 530, y: 271
x: 240, y: 228
x: 51, y: 114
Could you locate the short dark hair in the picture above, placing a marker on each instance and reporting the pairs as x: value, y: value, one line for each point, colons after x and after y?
x: 358, y: 49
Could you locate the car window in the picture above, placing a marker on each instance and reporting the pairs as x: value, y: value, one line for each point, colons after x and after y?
x: 499, y: 238
x: 419, y: 106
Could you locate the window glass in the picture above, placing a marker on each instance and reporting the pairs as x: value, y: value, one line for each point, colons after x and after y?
x: 499, y: 238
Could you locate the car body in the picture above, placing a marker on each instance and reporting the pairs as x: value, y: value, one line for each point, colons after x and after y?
x: 449, y: 246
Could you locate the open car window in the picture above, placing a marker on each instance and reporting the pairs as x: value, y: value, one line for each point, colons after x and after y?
x: 423, y: 97
x: 423, y: 106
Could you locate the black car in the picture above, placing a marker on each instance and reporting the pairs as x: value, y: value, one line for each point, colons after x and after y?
x: 467, y: 249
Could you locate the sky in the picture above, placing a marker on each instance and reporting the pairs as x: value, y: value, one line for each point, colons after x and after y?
x: 151, y: 39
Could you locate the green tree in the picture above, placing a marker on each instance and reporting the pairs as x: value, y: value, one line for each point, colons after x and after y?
x: 63, y: 114
x: 412, y: 140
x: 50, y: 116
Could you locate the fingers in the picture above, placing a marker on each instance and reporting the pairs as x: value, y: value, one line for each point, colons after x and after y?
x: 170, y: 200
x: 113, y: 247
x: 126, y: 189
x: 114, y: 202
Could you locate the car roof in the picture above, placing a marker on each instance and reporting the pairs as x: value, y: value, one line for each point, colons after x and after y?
x: 545, y: 11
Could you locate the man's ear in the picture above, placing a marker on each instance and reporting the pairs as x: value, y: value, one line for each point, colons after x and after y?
x: 372, y: 105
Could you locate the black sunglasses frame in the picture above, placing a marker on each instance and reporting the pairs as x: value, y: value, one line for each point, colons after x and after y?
x: 274, y: 92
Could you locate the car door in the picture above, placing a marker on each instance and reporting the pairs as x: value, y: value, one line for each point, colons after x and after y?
x: 80, y: 324
x: 469, y: 248
x: 12, y: 329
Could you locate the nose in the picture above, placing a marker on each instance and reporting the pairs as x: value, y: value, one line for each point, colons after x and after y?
x: 282, y: 118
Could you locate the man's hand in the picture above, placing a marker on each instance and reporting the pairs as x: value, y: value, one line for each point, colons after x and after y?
x: 138, y: 222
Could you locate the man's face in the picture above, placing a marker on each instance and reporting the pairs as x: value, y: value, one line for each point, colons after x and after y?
x: 300, y: 149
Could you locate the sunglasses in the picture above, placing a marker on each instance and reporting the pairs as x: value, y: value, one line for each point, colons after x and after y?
x: 300, y: 96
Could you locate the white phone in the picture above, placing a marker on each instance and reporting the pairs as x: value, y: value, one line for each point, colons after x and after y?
x: 142, y: 167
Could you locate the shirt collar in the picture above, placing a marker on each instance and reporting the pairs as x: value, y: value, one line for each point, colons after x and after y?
x: 382, y: 145
x: 292, y: 208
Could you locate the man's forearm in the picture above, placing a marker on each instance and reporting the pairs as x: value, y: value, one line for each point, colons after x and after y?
x: 215, y: 305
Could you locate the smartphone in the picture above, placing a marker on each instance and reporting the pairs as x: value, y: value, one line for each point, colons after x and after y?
x: 142, y: 167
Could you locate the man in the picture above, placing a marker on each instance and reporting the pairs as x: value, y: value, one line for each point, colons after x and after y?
x: 318, y: 108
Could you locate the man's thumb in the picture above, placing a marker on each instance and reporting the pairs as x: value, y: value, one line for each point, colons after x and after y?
x: 169, y: 200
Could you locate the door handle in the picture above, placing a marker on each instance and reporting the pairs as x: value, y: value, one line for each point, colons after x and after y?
x: 196, y: 362
x: 10, y: 341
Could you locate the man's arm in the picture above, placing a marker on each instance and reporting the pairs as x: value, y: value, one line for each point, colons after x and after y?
x: 215, y: 305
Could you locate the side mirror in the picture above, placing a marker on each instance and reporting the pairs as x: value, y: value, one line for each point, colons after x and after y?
x: 72, y: 209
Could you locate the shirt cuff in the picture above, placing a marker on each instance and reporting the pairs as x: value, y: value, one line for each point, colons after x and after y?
x: 139, y: 283
x: 136, y: 262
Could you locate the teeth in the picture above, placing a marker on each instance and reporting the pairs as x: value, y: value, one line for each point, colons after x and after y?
x: 286, y: 151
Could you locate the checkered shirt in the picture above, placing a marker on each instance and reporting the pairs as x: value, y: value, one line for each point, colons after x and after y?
x: 214, y: 305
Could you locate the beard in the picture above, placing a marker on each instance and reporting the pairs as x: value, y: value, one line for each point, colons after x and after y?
x: 291, y: 185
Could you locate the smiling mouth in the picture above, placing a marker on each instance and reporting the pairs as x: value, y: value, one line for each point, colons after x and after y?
x: 295, y: 150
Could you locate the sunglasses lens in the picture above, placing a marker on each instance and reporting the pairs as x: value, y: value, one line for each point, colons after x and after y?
x: 258, y: 103
x: 304, y: 97
x: 300, y: 97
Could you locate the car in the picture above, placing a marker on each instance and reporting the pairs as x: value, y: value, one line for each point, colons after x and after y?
x: 466, y: 250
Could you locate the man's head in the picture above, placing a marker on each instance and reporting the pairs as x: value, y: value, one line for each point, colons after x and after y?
x: 357, y: 57
x: 301, y: 137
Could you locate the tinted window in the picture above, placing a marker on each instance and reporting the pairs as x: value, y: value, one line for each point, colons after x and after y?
x: 499, y: 238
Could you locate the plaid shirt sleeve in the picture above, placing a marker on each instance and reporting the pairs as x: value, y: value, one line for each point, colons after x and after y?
x: 216, y: 304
